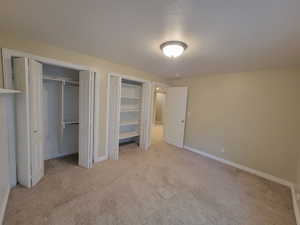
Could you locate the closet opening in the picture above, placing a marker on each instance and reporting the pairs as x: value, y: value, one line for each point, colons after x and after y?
x: 60, y: 117
x: 129, y: 114
x: 57, y: 116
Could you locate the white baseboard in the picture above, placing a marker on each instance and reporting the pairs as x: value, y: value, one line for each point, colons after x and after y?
x: 3, y: 206
x: 99, y: 159
x: 60, y: 155
x: 241, y: 167
x: 295, y: 205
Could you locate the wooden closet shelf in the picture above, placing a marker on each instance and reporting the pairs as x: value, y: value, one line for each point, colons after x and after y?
x: 8, y: 91
x: 128, y: 123
x: 131, y: 97
x: 60, y: 80
x: 126, y: 135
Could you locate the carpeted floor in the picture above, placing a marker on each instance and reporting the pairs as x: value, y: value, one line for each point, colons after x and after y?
x: 162, y: 186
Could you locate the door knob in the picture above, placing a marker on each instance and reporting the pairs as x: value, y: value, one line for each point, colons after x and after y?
x: 182, y: 121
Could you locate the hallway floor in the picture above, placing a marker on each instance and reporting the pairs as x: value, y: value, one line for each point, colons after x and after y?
x: 163, y: 186
x: 157, y: 133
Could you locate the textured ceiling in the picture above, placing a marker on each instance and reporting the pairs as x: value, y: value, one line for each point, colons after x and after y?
x: 223, y: 36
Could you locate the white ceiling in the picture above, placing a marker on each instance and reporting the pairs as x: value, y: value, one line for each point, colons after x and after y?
x: 223, y: 36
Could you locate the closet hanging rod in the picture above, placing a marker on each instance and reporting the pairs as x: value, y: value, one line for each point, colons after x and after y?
x: 70, y: 122
x: 60, y: 80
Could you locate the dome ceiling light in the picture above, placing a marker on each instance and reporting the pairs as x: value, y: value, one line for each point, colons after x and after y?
x: 173, y: 49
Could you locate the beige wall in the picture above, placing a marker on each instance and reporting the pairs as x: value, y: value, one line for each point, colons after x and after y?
x: 102, y: 66
x: 254, y: 116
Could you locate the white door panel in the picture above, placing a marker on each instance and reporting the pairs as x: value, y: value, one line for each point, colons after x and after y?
x: 20, y: 68
x: 175, y: 111
x: 145, y: 126
x: 86, y: 118
x: 30, y: 157
x: 36, y: 121
x: 114, y: 117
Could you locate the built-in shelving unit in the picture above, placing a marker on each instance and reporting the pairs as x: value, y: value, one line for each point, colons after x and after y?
x: 131, y: 99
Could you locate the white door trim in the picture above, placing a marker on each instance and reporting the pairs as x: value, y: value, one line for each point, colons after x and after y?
x: 8, y: 54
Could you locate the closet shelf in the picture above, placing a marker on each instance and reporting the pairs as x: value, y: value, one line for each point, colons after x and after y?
x: 131, y: 97
x: 128, y: 123
x: 70, y: 122
x: 130, y: 110
x: 131, y: 85
x: 61, y: 80
x: 8, y: 91
x: 126, y: 135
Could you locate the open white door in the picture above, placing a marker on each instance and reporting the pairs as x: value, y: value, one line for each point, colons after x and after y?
x: 145, y: 138
x: 114, y: 85
x: 36, y: 121
x: 86, y: 118
x: 30, y: 158
x: 176, y: 102
x: 20, y: 66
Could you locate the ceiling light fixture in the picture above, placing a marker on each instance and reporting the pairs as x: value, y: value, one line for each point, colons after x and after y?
x: 173, y: 49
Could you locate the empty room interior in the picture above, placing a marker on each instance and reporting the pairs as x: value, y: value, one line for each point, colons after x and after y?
x: 150, y: 112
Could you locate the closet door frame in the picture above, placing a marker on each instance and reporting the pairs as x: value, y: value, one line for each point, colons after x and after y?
x: 146, y: 111
x: 7, y: 55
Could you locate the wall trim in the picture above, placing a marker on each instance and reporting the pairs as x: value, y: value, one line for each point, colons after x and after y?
x: 99, y: 159
x: 54, y: 156
x: 241, y: 167
x: 295, y: 204
x: 4, y: 205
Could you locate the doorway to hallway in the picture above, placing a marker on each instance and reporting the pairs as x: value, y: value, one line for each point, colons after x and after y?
x: 158, y: 115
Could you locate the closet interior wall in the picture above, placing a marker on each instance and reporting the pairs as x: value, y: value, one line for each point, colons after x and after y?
x: 60, y: 109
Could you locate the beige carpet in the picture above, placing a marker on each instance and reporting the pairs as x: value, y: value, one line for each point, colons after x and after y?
x: 163, y: 186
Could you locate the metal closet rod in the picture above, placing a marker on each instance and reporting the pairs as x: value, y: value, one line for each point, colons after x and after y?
x: 61, y: 80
